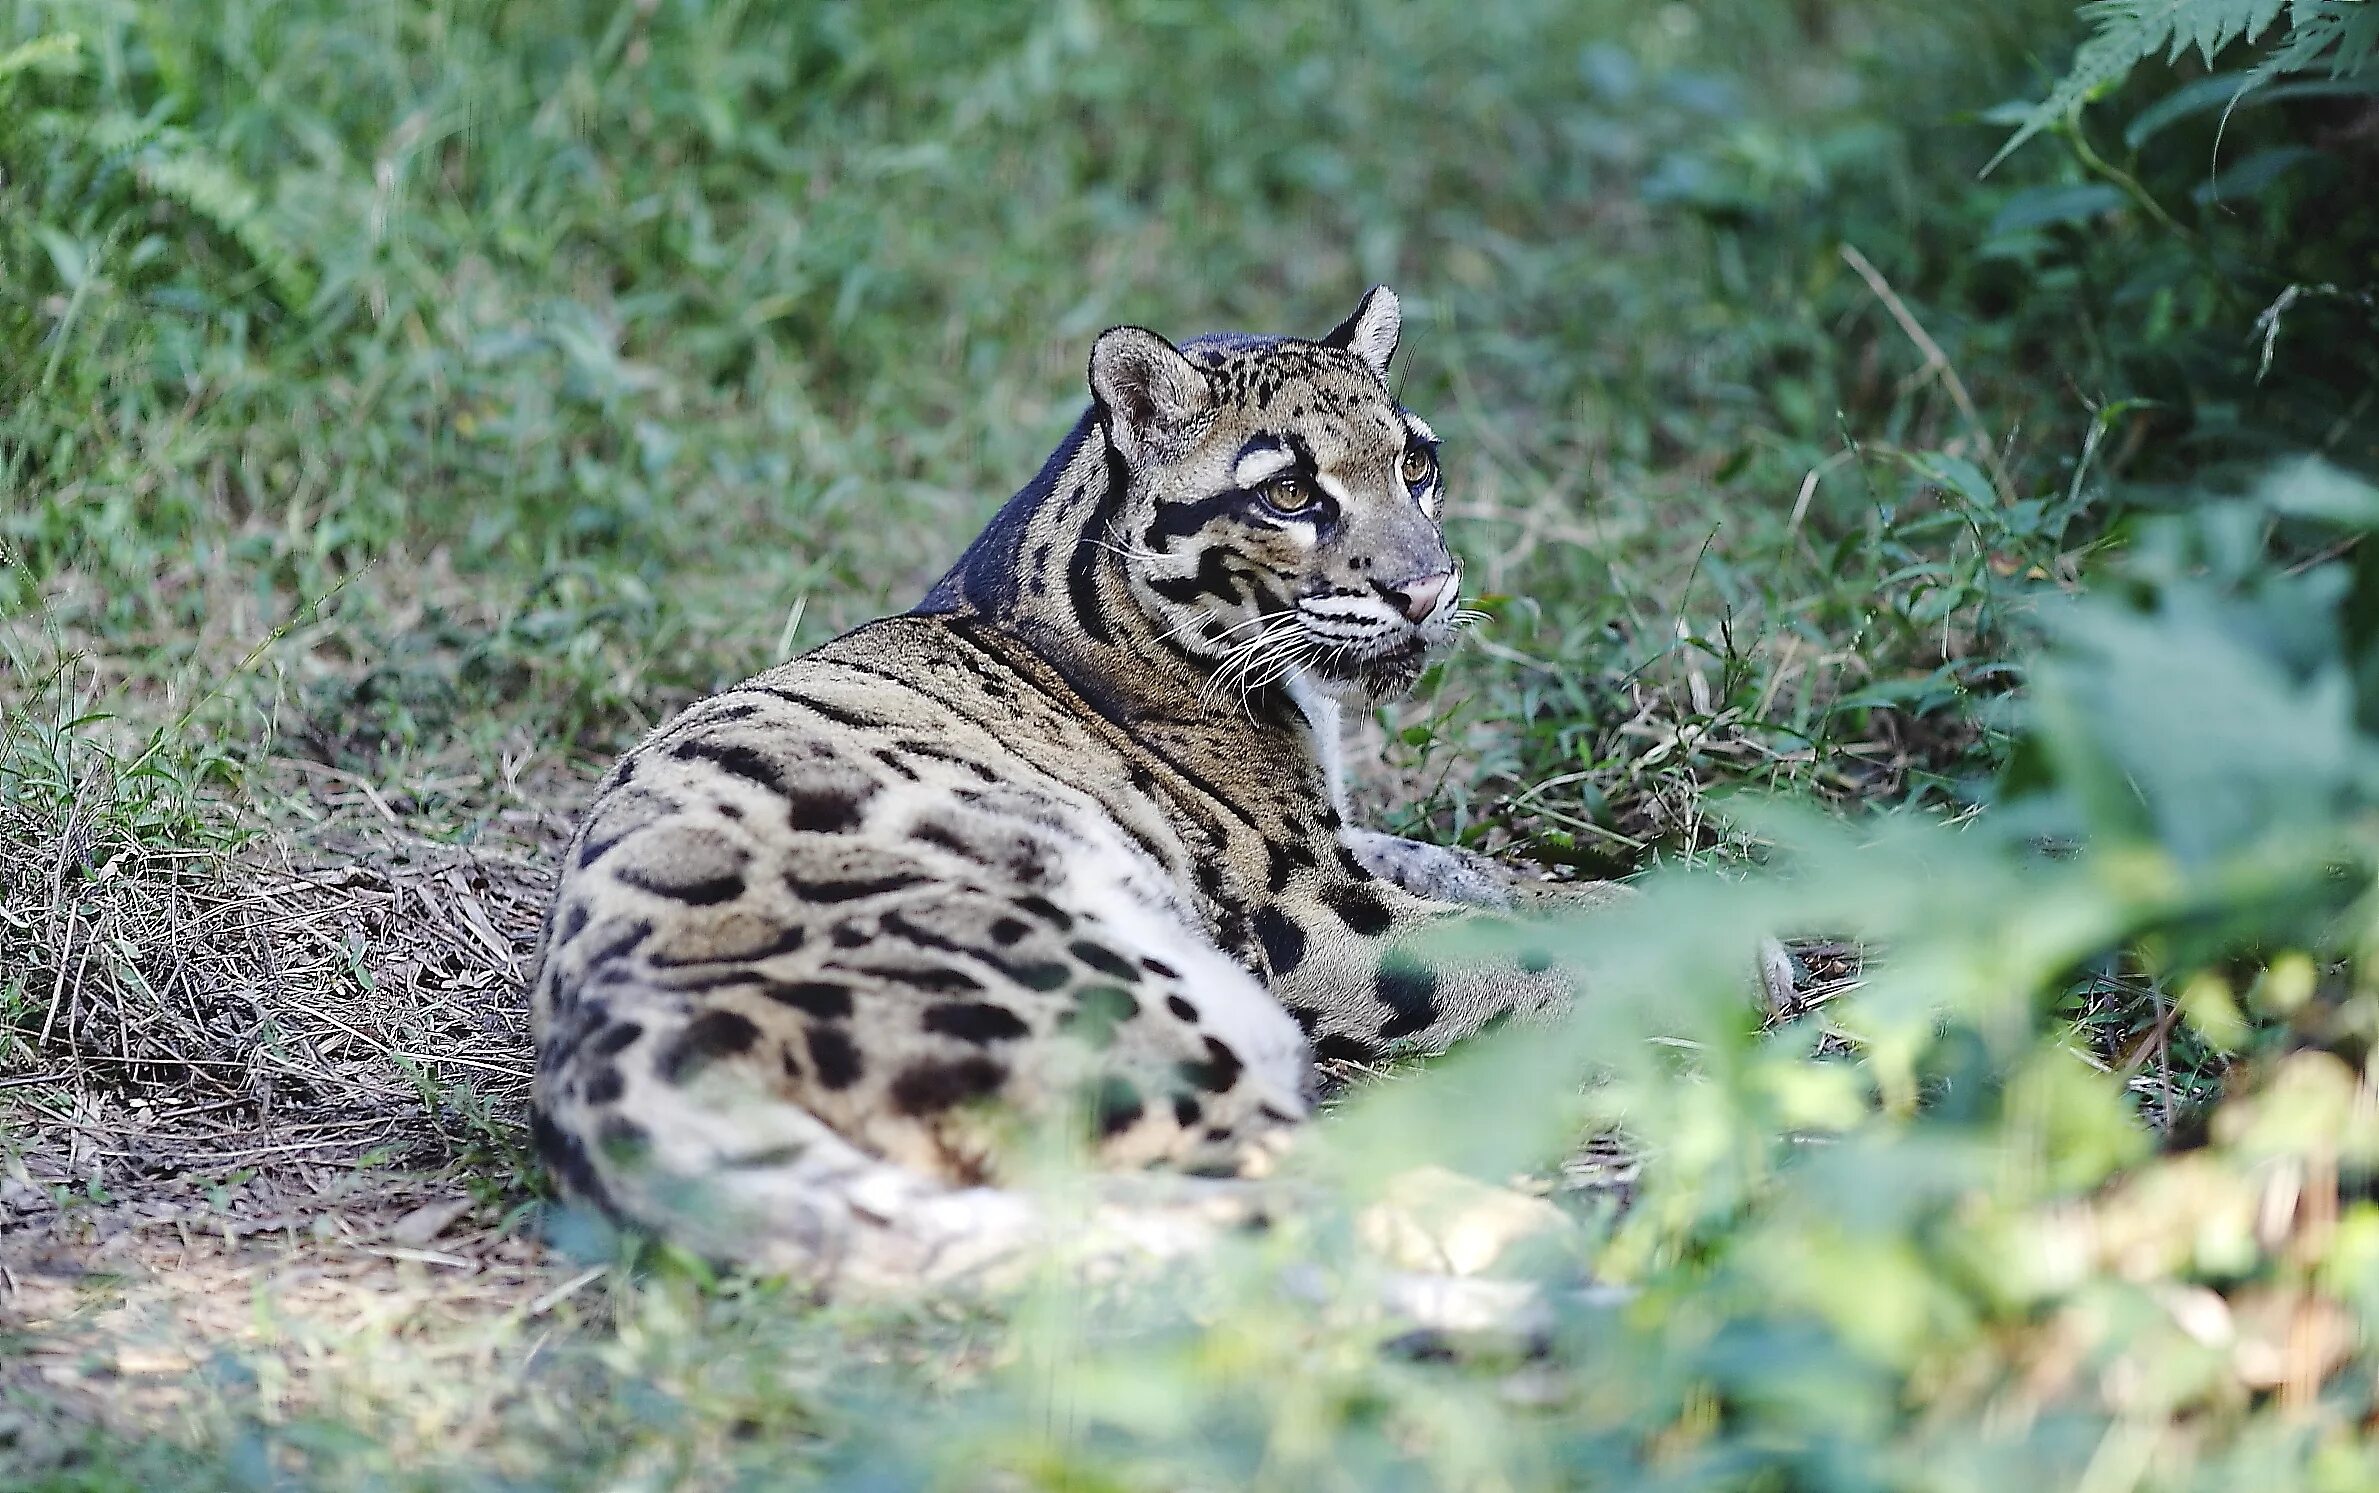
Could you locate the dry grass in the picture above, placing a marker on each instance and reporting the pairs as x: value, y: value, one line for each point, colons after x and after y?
x: 263, y: 1096
x: 211, y: 1008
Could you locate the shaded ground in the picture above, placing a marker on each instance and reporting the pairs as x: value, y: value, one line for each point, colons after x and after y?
x: 314, y: 1123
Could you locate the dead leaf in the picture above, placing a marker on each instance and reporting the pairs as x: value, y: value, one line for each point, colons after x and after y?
x: 428, y: 1221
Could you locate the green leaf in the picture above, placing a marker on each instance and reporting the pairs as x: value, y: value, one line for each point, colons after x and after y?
x: 2215, y: 91
x: 1957, y: 475
x: 2043, y: 207
x: 2128, y: 32
x: 2312, y: 488
x: 2342, y: 35
x: 69, y: 256
x: 2223, y: 91
x: 2255, y: 173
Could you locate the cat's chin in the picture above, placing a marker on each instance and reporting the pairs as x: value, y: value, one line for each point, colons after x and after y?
x: 1376, y: 680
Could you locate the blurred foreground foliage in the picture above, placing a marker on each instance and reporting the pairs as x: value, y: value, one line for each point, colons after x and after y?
x: 2004, y: 535
x: 1922, y: 1236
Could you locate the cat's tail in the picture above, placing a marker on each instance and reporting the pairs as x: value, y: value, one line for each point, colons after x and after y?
x: 770, y: 1186
x: 778, y: 1191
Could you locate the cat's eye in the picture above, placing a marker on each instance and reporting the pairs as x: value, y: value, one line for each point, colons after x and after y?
x: 1288, y: 494
x: 1416, y: 466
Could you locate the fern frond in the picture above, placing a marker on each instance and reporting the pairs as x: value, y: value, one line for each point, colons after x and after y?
x: 2340, y: 37
x: 2128, y: 32
x: 169, y: 163
x: 214, y: 192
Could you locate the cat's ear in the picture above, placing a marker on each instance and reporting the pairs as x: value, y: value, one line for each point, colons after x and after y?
x: 1370, y: 334
x: 1150, y: 391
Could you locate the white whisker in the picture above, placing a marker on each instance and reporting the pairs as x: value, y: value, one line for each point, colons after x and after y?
x: 1241, y: 625
x: 1245, y: 657
x: 1245, y: 661
x: 1230, y: 663
x: 1125, y: 551
x: 1115, y: 542
x: 1279, y: 669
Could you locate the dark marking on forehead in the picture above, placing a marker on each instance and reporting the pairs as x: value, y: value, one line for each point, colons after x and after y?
x: 1255, y: 371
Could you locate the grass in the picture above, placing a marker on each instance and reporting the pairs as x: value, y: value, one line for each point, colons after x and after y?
x: 403, y: 406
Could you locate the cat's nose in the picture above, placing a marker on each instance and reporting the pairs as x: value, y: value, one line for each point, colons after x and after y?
x: 1418, y: 597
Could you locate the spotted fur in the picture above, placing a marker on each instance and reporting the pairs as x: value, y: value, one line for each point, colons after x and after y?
x: 1063, y: 846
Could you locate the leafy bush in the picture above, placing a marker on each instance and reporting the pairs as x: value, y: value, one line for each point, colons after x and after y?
x: 2242, y: 182
x: 2335, y: 37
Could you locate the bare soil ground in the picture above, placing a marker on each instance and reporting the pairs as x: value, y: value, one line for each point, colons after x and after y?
x: 294, y: 1110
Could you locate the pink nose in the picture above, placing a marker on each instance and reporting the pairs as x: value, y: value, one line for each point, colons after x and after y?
x: 1418, y: 597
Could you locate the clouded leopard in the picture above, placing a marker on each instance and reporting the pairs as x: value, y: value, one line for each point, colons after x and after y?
x: 1066, y: 844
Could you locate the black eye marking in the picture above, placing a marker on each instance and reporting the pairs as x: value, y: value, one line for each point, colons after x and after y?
x: 1256, y: 445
